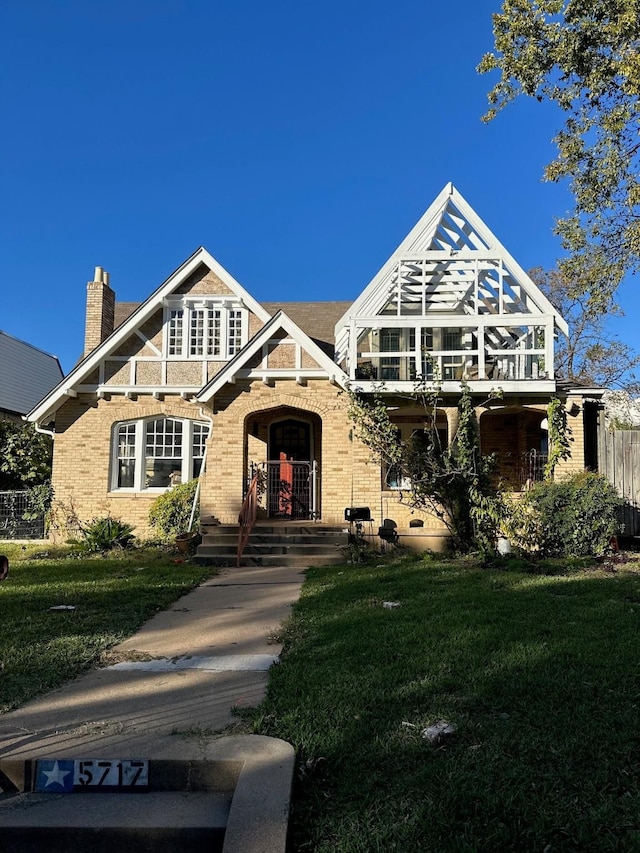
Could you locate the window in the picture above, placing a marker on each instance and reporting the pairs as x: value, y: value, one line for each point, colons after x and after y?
x: 390, y: 342
x: 157, y: 453
x: 393, y: 475
x: 175, y: 332
x: 205, y: 331
x: 234, y: 332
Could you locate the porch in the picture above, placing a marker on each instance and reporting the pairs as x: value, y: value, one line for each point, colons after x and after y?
x: 518, y: 439
x: 283, y: 449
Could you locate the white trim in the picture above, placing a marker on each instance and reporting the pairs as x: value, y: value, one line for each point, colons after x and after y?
x: 48, y: 406
x: 140, y: 390
x: 188, y: 306
x: 186, y: 460
x: 417, y: 244
x: 235, y: 367
x: 148, y: 343
x: 523, y: 387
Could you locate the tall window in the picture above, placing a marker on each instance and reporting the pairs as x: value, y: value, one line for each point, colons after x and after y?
x: 390, y: 366
x: 156, y: 453
x: 175, y: 334
x: 234, y: 332
x: 205, y: 332
x: 204, y: 337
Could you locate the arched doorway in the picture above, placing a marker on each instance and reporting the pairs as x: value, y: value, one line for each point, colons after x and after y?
x: 291, y: 470
x: 284, y: 445
x: 518, y: 439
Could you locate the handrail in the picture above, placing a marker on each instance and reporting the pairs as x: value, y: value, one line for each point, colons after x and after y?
x: 247, y: 516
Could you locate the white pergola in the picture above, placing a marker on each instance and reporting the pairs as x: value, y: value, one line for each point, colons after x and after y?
x: 450, y: 303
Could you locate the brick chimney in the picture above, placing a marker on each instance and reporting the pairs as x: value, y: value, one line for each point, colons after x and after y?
x: 101, y: 301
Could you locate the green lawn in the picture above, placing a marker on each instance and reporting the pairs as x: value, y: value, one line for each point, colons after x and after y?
x: 41, y: 648
x: 539, y: 674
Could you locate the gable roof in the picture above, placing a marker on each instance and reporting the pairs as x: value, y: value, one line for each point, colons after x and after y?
x: 316, y: 319
x: 27, y: 374
x: 47, y: 407
x: 450, y: 229
x: 279, y: 321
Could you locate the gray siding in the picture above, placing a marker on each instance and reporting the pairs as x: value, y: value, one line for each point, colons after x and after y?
x: 27, y: 374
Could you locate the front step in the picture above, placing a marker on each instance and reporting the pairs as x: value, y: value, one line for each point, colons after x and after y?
x: 269, y: 544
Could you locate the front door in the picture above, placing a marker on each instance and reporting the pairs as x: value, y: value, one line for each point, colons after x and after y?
x: 289, y: 470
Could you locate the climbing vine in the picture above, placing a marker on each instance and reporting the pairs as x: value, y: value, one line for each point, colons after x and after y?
x: 559, y: 447
x: 453, y: 483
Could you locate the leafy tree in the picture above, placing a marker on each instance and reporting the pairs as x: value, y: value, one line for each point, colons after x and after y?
x: 584, y: 56
x: 590, y: 354
x: 25, y: 456
x: 453, y: 483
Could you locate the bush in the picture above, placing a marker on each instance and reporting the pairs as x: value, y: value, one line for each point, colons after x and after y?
x: 574, y: 517
x: 104, y: 534
x: 170, y: 513
x: 39, y: 500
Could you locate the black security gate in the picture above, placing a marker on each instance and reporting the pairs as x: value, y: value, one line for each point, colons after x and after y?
x: 291, y: 489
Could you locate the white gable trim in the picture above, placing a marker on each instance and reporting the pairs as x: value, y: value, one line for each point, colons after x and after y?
x: 45, y: 410
x: 233, y: 368
x: 375, y: 294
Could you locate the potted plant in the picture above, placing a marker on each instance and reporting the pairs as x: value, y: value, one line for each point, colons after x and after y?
x: 185, y: 541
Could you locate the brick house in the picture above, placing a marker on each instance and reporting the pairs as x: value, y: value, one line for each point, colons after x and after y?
x: 201, y: 370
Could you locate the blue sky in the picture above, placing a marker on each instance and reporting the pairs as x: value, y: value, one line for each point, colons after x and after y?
x: 298, y: 142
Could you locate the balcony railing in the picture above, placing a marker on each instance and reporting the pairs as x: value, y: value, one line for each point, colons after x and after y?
x: 450, y: 366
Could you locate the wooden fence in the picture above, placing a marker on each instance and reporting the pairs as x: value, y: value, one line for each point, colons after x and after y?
x: 619, y: 461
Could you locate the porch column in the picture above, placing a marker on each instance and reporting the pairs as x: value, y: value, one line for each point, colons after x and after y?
x: 453, y: 419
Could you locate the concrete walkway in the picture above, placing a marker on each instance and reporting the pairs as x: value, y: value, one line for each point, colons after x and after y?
x: 175, y: 682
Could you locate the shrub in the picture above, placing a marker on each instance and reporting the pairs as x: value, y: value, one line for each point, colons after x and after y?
x: 170, y: 513
x: 39, y: 500
x: 104, y: 534
x: 574, y: 517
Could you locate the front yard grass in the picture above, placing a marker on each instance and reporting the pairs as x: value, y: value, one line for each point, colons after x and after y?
x: 113, y: 595
x: 539, y: 674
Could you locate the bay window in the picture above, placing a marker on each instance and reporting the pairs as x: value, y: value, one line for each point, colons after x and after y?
x: 157, y: 452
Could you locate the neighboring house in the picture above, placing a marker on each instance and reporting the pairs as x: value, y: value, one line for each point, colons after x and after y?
x: 26, y: 375
x: 202, y: 369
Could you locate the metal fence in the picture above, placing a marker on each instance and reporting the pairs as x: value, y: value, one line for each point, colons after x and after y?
x: 17, y: 517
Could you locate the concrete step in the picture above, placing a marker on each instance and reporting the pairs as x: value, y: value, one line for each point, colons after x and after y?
x: 271, y: 539
x: 252, y: 547
x: 273, y: 544
x: 329, y: 559
x: 283, y: 529
x: 182, y: 822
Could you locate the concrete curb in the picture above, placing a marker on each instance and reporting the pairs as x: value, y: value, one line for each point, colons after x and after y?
x: 253, y: 771
x: 259, y: 814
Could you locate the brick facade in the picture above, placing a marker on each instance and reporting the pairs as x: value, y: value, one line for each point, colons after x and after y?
x: 82, y: 459
x: 243, y: 406
x: 240, y: 418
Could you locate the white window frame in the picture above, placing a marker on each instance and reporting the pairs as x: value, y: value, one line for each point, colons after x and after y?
x: 185, y: 463
x: 204, y: 329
